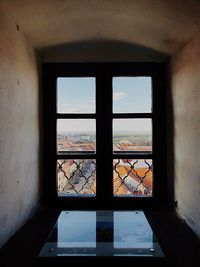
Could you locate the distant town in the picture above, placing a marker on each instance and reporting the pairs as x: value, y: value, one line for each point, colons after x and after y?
x: 77, y: 177
x: 77, y: 141
x: 128, y: 141
x: 86, y: 141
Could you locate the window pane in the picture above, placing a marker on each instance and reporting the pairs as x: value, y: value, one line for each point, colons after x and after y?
x: 132, y: 95
x: 132, y: 177
x: 76, y: 135
x: 132, y: 231
x: 132, y: 135
x: 76, y: 177
x: 75, y: 229
x: 76, y: 95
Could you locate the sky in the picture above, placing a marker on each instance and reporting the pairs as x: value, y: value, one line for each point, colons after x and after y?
x: 76, y: 95
x: 88, y: 125
x: 76, y: 125
x: 130, y: 95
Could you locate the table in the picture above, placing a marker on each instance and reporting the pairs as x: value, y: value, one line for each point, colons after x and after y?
x: 102, y: 234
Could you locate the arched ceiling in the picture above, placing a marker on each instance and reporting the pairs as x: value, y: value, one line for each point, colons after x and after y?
x: 161, y: 25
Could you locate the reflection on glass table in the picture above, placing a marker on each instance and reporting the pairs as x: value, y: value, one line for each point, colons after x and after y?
x: 102, y: 233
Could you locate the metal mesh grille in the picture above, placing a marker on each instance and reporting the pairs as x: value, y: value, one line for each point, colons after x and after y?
x: 77, y: 177
x: 132, y: 177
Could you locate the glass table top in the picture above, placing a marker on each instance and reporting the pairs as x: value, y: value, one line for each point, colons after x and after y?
x: 102, y: 233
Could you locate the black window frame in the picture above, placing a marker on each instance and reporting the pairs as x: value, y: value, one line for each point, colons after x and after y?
x: 104, y: 72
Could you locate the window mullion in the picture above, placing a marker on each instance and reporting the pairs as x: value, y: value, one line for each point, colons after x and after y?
x: 127, y: 154
x: 132, y: 115
x: 108, y: 135
x: 104, y: 140
x: 76, y: 116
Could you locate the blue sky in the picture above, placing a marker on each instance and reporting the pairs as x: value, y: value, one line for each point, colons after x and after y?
x: 130, y: 94
x: 76, y: 95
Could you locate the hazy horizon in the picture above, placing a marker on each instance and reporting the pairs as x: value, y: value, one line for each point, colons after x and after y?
x: 122, y: 131
x: 88, y: 125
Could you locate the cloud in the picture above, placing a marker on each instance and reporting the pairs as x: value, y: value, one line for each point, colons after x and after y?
x: 119, y: 95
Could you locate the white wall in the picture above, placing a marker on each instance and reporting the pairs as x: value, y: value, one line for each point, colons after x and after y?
x: 19, y: 129
x: 186, y: 104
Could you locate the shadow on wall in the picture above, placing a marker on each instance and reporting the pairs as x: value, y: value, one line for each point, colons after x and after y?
x: 100, y: 51
x: 170, y: 139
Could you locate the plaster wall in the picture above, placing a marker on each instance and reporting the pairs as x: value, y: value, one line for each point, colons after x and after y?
x: 19, y: 129
x: 185, y: 86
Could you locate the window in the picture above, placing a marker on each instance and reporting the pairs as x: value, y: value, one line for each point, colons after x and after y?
x: 76, y: 136
x: 132, y: 136
x: 104, y: 135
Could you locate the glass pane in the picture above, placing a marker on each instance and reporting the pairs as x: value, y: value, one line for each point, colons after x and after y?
x: 76, y: 95
x: 76, y: 229
x: 132, y: 230
x: 76, y: 177
x: 132, y: 95
x: 132, y: 135
x: 103, y: 233
x: 132, y: 177
x: 76, y: 135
